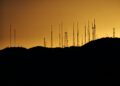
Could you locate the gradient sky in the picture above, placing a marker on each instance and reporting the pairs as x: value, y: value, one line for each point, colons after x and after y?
x: 32, y: 19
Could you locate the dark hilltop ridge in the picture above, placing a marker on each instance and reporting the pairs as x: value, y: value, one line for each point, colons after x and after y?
x: 95, y: 63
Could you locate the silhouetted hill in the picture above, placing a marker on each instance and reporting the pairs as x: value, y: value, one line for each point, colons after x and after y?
x: 105, y: 43
x: 96, y: 63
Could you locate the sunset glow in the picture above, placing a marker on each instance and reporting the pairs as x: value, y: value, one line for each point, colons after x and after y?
x: 32, y: 20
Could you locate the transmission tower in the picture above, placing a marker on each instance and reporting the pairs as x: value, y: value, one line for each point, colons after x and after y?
x: 82, y: 41
x: 10, y: 35
x: 94, y: 30
x: 85, y: 33
x: 59, y: 36
x: 73, y: 35
x: 88, y: 32
x: 14, y: 37
x: 62, y: 34
x: 51, y: 36
x: 77, y: 34
x: 113, y: 32
x: 44, y: 41
x: 66, y: 40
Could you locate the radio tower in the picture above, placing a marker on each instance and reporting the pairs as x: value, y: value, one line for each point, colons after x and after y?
x: 77, y: 34
x: 94, y: 30
x: 73, y: 36
x: 66, y: 40
x: 88, y: 32
x: 51, y: 36
x: 59, y: 36
x: 14, y: 37
x: 85, y: 33
x: 82, y: 41
x: 44, y: 42
x: 62, y: 35
x: 113, y: 32
x: 10, y: 35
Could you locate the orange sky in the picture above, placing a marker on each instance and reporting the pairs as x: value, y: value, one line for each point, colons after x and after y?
x: 32, y: 19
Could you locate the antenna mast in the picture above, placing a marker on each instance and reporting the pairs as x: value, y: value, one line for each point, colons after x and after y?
x: 51, y: 36
x: 85, y: 33
x: 77, y: 34
x: 73, y: 36
x: 44, y: 42
x: 14, y: 37
x: 94, y: 30
x: 66, y: 40
x: 82, y: 41
x: 88, y: 32
x: 59, y: 36
x: 10, y: 35
x: 62, y: 34
x: 113, y: 32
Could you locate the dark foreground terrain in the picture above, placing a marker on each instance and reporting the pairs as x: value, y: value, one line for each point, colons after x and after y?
x: 96, y: 63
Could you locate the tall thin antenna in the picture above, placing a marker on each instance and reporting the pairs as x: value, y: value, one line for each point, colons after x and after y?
x: 88, y: 32
x: 82, y: 41
x: 59, y: 36
x: 73, y: 36
x: 77, y: 34
x: 14, y: 37
x: 113, y: 32
x: 10, y: 34
x: 51, y: 36
x: 66, y: 40
x: 62, y: 34
x: 44, y: 41
x: 94, y: 30
x: 85, y: 33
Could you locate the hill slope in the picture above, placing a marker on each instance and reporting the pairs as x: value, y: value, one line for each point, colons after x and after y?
x: 94, y: 64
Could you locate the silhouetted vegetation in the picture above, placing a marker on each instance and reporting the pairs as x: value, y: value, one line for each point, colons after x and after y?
x: 95, y: 63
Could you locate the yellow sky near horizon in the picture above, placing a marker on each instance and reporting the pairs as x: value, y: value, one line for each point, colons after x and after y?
x: 32, y: 19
